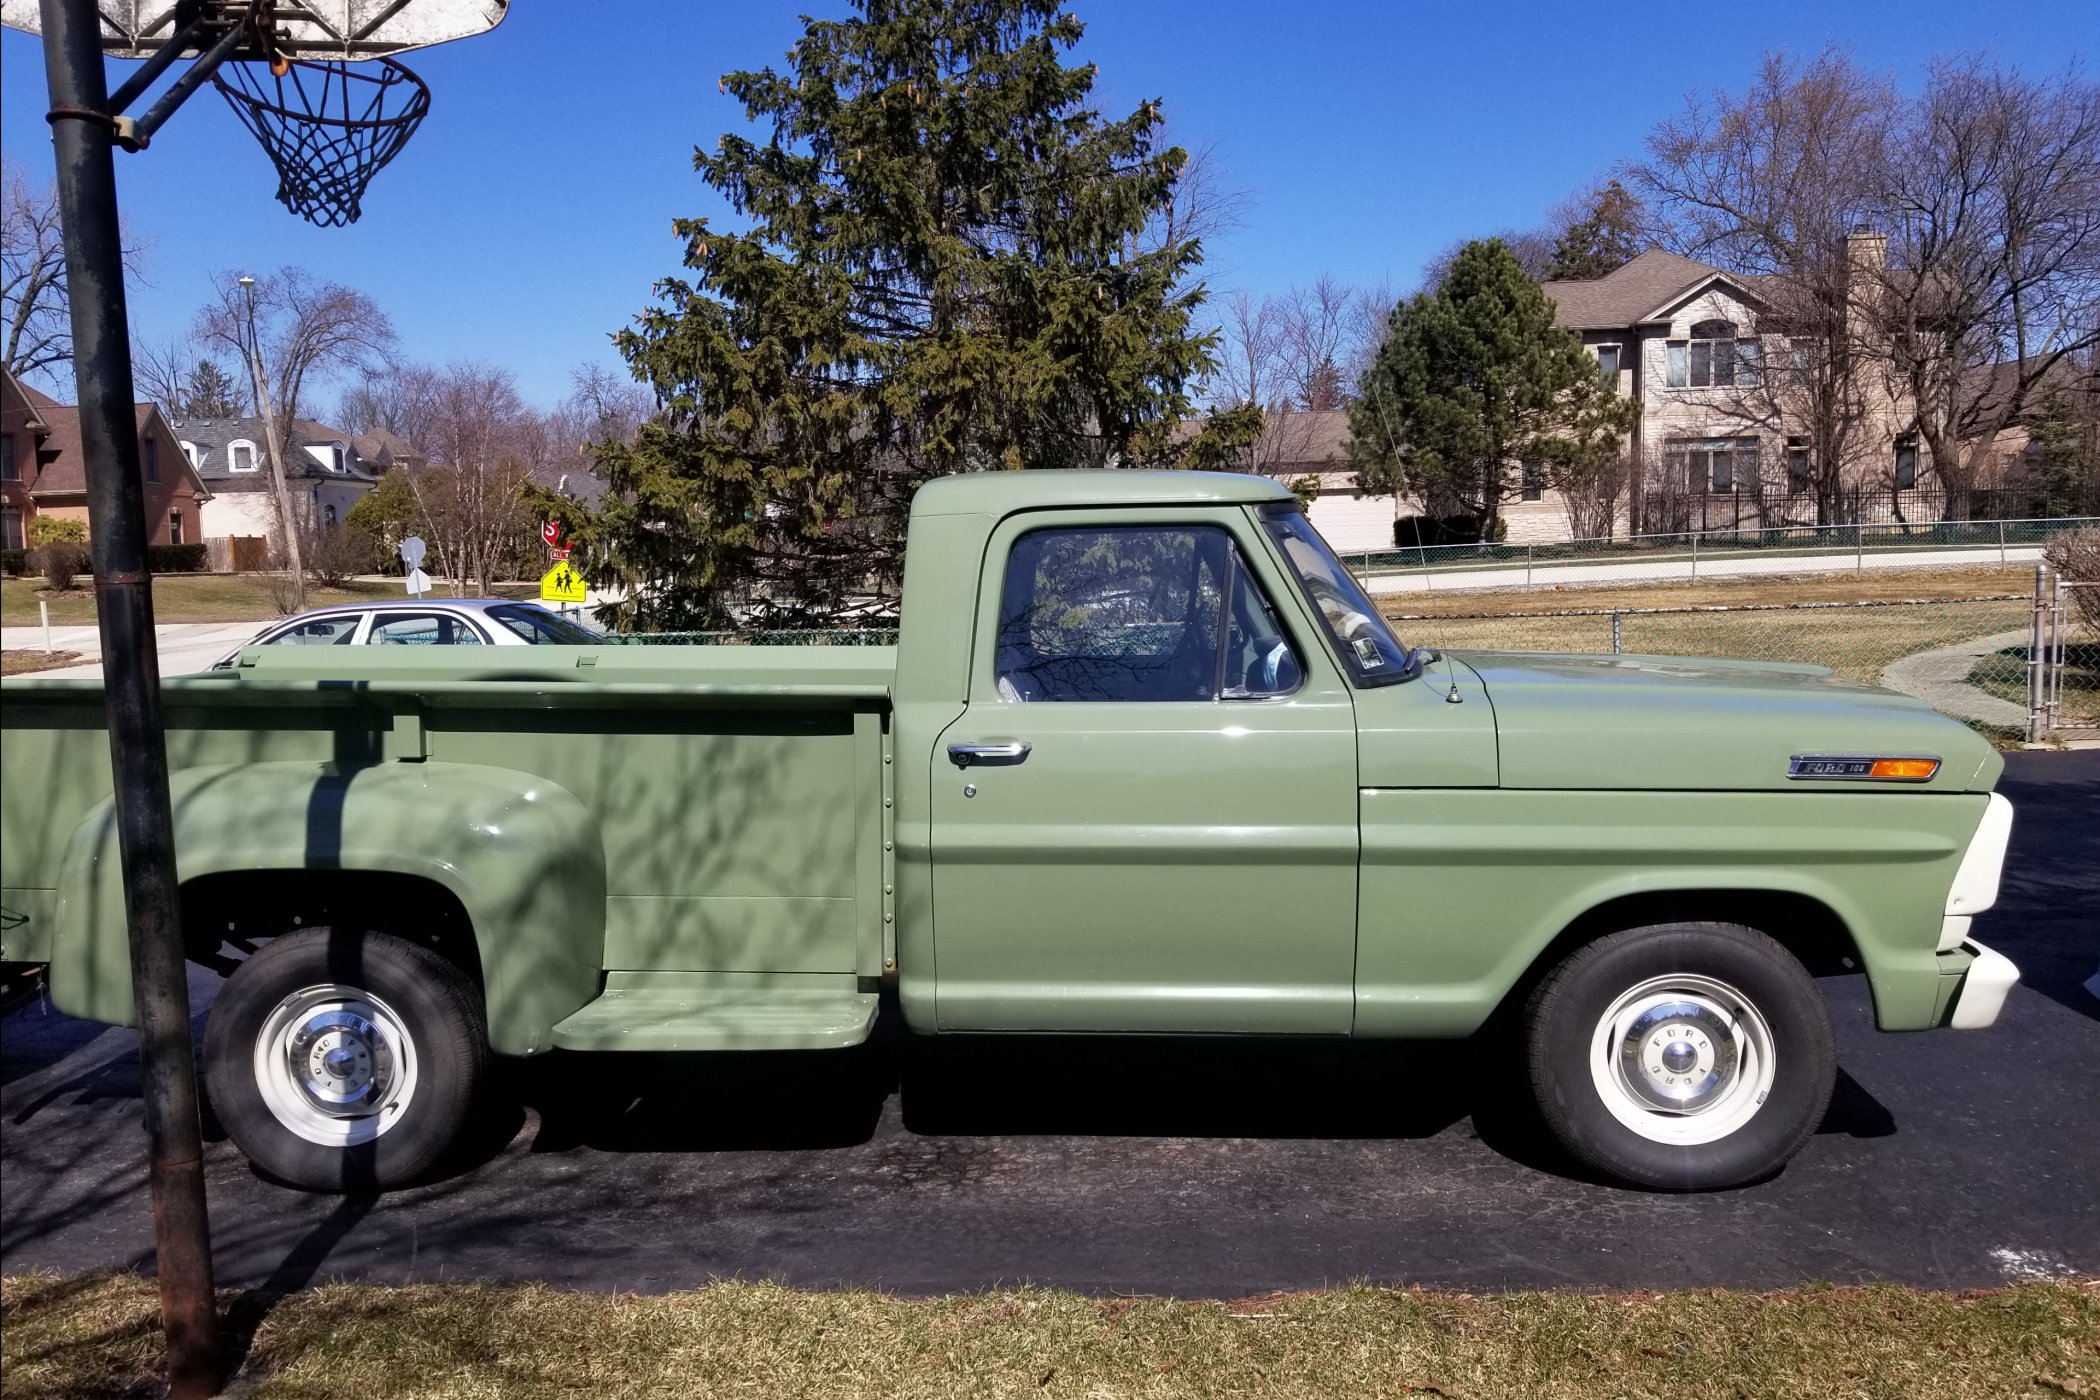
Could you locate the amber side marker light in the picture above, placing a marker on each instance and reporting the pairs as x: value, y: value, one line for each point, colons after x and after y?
x: 1862, y: 768
x: 1915, y: 770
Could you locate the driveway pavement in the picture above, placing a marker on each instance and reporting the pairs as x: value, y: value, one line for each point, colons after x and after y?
x: 1948, y: 1159
x: 184, y: 646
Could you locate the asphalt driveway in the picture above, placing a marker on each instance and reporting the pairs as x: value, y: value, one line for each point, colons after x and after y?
x: 1948, y: 1159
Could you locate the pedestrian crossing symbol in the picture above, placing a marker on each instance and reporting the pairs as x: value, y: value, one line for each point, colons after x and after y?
x: 563, y: 585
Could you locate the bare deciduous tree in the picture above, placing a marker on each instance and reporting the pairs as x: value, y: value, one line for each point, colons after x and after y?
x: 1779, y: 184
x: 1316, y: 323
x: 1203, y: 204
x: 292, y: 330
x: 469, y: 503
x: 33, y: 275
x: 161, y: 373
x: 1993, y: 285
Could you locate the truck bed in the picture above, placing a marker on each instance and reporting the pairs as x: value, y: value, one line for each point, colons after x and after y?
x: 731, y: 802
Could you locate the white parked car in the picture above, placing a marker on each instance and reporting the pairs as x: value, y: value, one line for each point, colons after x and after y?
x: 421, y: 623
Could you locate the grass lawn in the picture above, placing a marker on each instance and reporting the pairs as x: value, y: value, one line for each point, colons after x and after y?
x: 1854, y: 642
x: 98, y: 1336
x: 21, y: 663
x: 199, y: 598
x: 2005, y: 676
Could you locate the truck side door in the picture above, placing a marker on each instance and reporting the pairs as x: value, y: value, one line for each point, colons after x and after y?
x: 1146, y: 818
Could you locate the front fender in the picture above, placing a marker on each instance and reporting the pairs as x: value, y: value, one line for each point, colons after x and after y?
x: 522, y: 855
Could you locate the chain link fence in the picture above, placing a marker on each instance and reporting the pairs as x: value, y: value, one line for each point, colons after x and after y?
x: 1712, y: 553
x: 783, y: 637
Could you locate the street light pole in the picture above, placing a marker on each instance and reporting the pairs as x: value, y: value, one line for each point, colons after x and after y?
x: 286, y: 520
x: 82, y: 134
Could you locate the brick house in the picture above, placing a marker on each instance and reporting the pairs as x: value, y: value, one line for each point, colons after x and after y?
x: 43, y: 470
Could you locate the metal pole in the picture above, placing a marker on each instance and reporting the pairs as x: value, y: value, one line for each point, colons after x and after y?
x: 43, y: 611
x: 2037, y: 648
x: 2001, y: 542
x: 82, y: 132
x: 1615, y: 632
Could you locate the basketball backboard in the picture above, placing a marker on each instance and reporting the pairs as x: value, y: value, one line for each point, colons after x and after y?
x: 308, y: 29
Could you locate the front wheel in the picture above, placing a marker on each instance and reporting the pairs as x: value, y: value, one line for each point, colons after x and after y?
x: 1682, y: 1057
x: 345, y: 1062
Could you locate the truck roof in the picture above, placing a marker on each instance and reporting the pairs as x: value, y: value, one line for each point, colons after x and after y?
x: 1001, y: 492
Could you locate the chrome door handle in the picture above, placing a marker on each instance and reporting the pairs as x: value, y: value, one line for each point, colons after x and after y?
x: 993, y: 753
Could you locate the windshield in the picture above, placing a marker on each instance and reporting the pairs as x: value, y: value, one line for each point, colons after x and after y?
x: 1367, y: 646
x: 544, y: 628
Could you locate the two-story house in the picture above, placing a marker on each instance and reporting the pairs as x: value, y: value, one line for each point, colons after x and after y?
x: 326, y: 475
x: 1725, y: 439
x: 43, y: 470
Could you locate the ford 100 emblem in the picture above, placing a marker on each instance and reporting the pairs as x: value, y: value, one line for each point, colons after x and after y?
x: 1871, y: 767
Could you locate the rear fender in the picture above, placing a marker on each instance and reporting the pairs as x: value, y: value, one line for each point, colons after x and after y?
x: 522, y: 855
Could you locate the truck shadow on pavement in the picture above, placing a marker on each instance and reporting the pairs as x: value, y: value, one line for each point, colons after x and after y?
x: 1046, y: 1086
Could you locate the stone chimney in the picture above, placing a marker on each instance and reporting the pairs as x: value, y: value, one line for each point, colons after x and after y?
x: 1867, y: 251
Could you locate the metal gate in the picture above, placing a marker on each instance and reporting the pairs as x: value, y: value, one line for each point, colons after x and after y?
x: 2063, y: 646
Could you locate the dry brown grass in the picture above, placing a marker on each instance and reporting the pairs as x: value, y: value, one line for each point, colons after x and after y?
x: 21, y: 663
x: 1871, y: 585
x: 97, y: 1336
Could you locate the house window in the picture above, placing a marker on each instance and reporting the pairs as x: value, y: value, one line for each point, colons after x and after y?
x: 10, y: 529
x: 1801, y: 355
x: 174, y: 527
x: 149, y: 458
x: 10, y: 470
x: 189, y: 453
x: 1608, y: 363
x: 1716, y: 466
x: 1708, y: 359
x: 240, y: 456
x: 328, y: 517
x: 1533, y: 482
x: 1906, y: 464
x: 1798, y: 477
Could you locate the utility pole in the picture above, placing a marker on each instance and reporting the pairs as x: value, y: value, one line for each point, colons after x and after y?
x: 82, y: 132
x: 287, y: 521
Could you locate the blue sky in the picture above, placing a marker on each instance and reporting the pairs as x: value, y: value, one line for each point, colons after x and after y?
x: 530, y: 216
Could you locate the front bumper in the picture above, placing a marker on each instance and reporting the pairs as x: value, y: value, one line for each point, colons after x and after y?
x: 1983, y: 988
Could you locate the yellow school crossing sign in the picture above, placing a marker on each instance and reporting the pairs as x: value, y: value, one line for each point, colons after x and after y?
x: 563, y: 585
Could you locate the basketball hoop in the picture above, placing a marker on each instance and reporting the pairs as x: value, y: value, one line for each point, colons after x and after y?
x: 327, y: 125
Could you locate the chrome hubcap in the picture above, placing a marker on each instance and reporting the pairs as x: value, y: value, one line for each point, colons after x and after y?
x: 1682, y: 1059
x: 335, y: 1064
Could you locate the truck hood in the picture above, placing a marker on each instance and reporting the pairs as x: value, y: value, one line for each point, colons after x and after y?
x: 1677, y: 722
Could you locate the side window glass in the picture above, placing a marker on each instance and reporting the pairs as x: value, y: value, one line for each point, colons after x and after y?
x: 317, y: 632
x: 1118, y: 613
x: 422, y: 630
x: 1259, y: 658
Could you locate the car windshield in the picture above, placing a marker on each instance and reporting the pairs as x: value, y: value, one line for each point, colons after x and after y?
x: 1367, y: 646
x: 544, y: 628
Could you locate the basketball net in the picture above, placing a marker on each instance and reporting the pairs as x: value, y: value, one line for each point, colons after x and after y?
x: 328, y: 126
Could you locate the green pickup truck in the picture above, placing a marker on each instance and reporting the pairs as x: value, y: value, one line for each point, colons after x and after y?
x: 1144, y: 760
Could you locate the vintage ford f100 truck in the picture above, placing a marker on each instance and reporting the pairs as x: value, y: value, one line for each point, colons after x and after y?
x: 1144, y: 759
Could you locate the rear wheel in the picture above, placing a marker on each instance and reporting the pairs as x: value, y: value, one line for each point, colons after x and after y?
x: 1681, y: 1057
x: 345, y: 1062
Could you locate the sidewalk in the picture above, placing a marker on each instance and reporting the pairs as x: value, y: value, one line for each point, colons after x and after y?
x: 184, y: 647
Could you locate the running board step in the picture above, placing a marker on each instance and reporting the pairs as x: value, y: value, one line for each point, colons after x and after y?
x: 688, y: 1011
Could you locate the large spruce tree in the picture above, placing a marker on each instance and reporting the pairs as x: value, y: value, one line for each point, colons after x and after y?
x: 943, y: 260
x: 1474, y: 380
